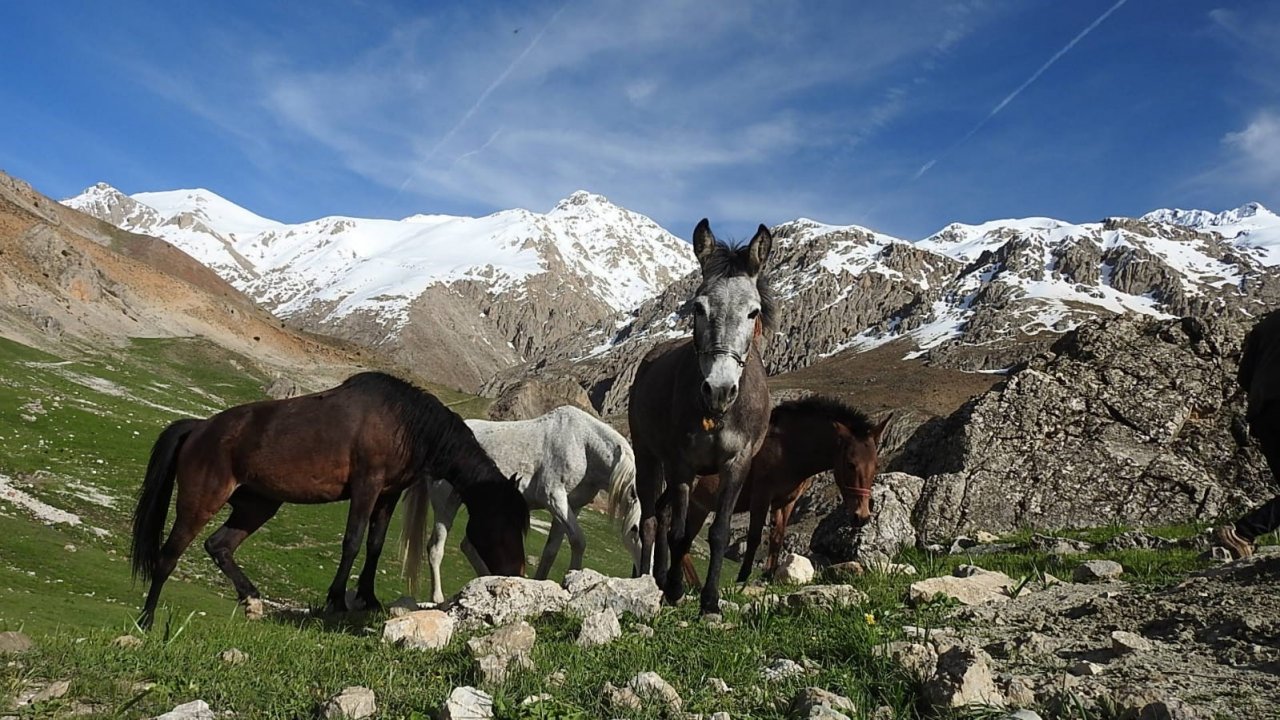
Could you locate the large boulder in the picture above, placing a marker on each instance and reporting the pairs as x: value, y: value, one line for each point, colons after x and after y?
x: 591, y: 592
x: 1128, y: 420
x: 894, y: 497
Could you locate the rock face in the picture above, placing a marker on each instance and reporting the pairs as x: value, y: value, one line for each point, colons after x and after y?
x: 894, y: 497
x: 534, y: 397
x: 1125, y: 420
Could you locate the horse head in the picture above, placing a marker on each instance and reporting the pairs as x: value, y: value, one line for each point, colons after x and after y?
x: 858, y: 460
x: 496, y: 526
x: 730, y: 308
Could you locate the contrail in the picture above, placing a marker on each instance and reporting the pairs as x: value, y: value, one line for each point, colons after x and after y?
x: 483, y: 96
x: 1009, y: 98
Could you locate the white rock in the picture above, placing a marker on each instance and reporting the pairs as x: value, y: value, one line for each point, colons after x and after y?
x: 420, y: 630
x: 1123, y: 643
x: 467, y: 703
x: 495, y: 600
x: 781, y: 669
x: 590, y: 592
x: 794, y: 569
x: 233, y: 656
x: 649, y: 687
x: 1093, y: 570
x: 194, y: 710
x: 353, y: 703
x: 601, y: 628
x: 978, y: 587
x: 962, y: 677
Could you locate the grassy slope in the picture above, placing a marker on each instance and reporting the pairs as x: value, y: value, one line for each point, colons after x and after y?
x: 75, y: 603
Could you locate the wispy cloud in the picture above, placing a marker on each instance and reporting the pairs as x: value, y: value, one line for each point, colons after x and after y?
x: 1018, y: 90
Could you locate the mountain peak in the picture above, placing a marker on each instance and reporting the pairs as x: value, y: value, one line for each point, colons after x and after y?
x: 580, y: 198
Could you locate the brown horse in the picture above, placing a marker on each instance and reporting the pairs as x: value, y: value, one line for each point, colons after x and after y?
x: 701, y: 407
x: 806, y: 437
x: 365, y: 440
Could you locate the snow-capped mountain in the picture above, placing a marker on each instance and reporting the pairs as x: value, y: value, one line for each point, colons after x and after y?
x: 977, y: 297
x: 530, y: 278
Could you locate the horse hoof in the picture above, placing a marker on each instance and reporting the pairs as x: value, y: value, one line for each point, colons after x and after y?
x: 333, y: 607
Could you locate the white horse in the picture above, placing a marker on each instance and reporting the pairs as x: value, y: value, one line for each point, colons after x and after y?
x: 563, y: 459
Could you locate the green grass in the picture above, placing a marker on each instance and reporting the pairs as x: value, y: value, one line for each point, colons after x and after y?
x: 100, y: 411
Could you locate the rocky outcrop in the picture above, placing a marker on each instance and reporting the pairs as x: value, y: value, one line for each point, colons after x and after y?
x: 1126, y: 420
x: 535, y: 397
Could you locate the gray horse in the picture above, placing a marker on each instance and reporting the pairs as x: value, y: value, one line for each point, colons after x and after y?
x: 700, y: 406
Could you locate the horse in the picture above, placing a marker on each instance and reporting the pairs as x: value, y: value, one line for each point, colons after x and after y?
x: 365, y: 440
x: 806, y: 437
x: 566, y: 458
x: 700, y: 406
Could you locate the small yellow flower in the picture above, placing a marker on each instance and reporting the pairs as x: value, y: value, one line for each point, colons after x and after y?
x: 870, y: 618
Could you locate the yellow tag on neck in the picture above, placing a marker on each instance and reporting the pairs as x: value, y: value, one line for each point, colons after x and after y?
x: 708, y: 424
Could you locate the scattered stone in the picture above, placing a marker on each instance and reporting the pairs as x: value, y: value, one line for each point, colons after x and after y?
x: 254, y: 609
x: 976, y: 587
x: 722, y: 715
x: 912, y: 631
x: 960, y: 544
x: 884, y: 567
x: 620, y: 698
x: 353, y: 703
x: 644, y: 631
x: 467, y: 703
x: 649, y: 686
x: 37, y: 694
x: 719, y: 686
x: 729, y: 606
x: 13, y: 642
x: 128, y: 642
x: 794, y: 569
x: 403, y: 605
x: 194, y: 710
x: 1136, y: 539
x: 535, y: 699
x: 1124, y: 642
x: 1023, y: 715
x: 601, y: 628
x: 495, y: 600
x: 590, y: 592
x: 1095, y: 570
x: 781, y: 669
x: 884, y: 712
x: 917, y: 660
x: 826, y: 597
x: 233, y: 656
x: 69, y: 547
x: 1084, y: 668
x: 962, y: 677
x: 420, y: 630
x: 985, y: 538
x: 557, y: 678
x: 845, y: 571
x: 1220, y: 554
x: 1053, y: 545
x: 811, y: 702
x: 1018, y: 691
x: 506, y: 648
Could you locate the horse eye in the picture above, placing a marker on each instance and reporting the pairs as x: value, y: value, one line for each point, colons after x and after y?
x: 752, y: 315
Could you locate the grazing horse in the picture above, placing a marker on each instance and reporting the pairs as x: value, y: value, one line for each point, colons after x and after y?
x: 806, y: 437
x: 565, y: 457
x: 365, y: 440
x: 701, y: 407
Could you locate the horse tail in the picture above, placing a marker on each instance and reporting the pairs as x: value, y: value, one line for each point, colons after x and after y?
x: 413, y: 533
x: 153, y: 499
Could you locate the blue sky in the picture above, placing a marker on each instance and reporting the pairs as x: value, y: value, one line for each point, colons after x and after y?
x: 902, y: 116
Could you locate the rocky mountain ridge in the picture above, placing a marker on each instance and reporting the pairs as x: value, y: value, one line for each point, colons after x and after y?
x: 972, y: 297
x: 459, y: 297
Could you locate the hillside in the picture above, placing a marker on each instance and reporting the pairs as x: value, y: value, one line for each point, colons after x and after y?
x: 970, y: 297
x: 456, y: 297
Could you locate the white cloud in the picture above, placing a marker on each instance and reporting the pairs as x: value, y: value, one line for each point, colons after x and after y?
x: 1255, y: 150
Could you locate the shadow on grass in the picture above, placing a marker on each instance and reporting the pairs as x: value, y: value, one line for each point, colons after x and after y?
x: 358, y: 623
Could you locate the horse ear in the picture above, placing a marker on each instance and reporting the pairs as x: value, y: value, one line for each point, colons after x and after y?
x: 878, y: 432
x: 758, y: 250
x: 842, y: 431
x: 704, y: 243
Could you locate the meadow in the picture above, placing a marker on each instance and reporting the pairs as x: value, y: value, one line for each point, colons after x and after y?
x: 75, y: 432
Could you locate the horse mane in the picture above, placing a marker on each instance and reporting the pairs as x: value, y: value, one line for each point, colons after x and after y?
x: 439, y: 441
x: 858, y: 422
x: 726, y: 262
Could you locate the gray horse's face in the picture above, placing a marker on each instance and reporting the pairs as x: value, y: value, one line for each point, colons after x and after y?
x: 726, y: 313
x: 724, y: 326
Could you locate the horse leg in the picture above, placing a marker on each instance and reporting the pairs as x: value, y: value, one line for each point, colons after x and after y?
x: 648, y: 487
x: 549, y: 551
x: 362, y: 502
x: 679, y: 542
x: 378, y: 523
x: 777, y: 534
x: 759, y: 509
x: 249, y: 511
x: 698, y: 512
x: 732, y: 476
x: 193, y: 513
x: 444, y: 506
